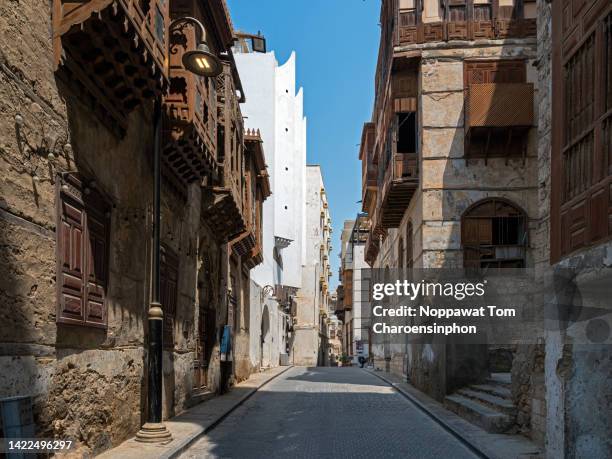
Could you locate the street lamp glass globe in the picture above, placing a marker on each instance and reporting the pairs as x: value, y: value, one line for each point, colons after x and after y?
x: 202, y: 61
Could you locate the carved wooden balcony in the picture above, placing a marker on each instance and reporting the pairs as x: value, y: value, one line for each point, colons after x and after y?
x: 112, y: 53
x: 222, y: 205
x: 375, y: 234
x: 368, y: 166
x: 190, y: 124
x: 400, y: 182
x: 466, y: 30
x: 222, y: 212
x: 411, y: 31
x: 248, y: 245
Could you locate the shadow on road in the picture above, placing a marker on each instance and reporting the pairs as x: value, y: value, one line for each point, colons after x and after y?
x: 327, y: 413
x: 338, y: 375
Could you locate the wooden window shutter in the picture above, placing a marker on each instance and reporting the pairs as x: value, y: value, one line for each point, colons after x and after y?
x: 581, y: 176
x: 96, y: 254
x: 82, y: 255
x: 71, y: 228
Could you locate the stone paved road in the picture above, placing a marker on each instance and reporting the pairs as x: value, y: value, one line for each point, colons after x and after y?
x: 327, y: 413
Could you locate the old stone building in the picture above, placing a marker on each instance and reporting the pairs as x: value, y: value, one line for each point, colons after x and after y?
x: 354, y: 276
x: 79, y: 81
x: 310, y: 346
x: 450, y: 173
x: 489, y: 149
x: 575, y: 176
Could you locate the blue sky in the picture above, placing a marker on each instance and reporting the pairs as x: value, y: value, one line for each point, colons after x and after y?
x: 336, y: 43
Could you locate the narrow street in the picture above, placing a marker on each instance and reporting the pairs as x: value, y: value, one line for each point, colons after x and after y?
x: 327, y: 412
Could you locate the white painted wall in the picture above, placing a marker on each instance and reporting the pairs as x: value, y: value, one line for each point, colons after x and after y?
x: 312, y: 298
x: 268, y: 313
x: 273, y: 106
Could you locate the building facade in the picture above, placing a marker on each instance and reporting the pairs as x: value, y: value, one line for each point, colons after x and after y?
x: 76, y: 211
x: 456, y: 176
x: 310, y: 346
x: 355, y: 278
x: 276, y: 109
x: 574, y: 152
x: 450, y: 176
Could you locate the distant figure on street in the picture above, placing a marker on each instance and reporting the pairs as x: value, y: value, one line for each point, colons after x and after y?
x: 362, y: 360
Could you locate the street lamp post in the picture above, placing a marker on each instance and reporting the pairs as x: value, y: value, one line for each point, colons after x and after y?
x: 201, y: 62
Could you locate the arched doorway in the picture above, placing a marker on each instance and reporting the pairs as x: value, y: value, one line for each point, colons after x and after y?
x: 494, y: 235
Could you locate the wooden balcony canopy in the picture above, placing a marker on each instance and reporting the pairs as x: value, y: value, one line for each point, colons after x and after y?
x: 400, y: 183
x: 222, y: 211
x: 499, y: 105
x: 112, y: 53
x: 244, y: 244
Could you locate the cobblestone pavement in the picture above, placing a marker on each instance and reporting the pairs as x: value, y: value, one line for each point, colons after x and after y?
x: 328, y: 413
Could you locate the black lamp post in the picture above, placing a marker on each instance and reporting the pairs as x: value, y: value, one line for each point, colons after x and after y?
x: 201, y: 62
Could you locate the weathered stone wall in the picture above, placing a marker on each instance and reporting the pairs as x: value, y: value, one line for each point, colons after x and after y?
x: 242, y: 358
x: 88, y: 384
x: 578, y: 361
x: 577, y: 365
x: 449, y: 185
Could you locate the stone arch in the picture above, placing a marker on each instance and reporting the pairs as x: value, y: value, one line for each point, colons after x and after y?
x: 494, y: 234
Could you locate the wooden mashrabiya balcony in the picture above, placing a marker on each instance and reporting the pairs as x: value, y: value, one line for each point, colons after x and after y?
x: 112, y: 53
x: 372, y: 244
x: 499, y: 116
x: 222, y: 204
x: 466, y: 30
x: 190, y: 127
x: 248, y: 245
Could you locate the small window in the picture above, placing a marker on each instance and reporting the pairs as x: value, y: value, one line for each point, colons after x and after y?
x: 494, y: 234
x: 406, y: 132
x: 407, y: 13
x: 83, y: 243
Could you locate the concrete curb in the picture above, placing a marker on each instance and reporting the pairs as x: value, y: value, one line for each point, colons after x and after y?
x: 441, y: 422
x: 182, y: 445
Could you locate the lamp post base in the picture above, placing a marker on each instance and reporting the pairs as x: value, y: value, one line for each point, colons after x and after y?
x: 153, y: 433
